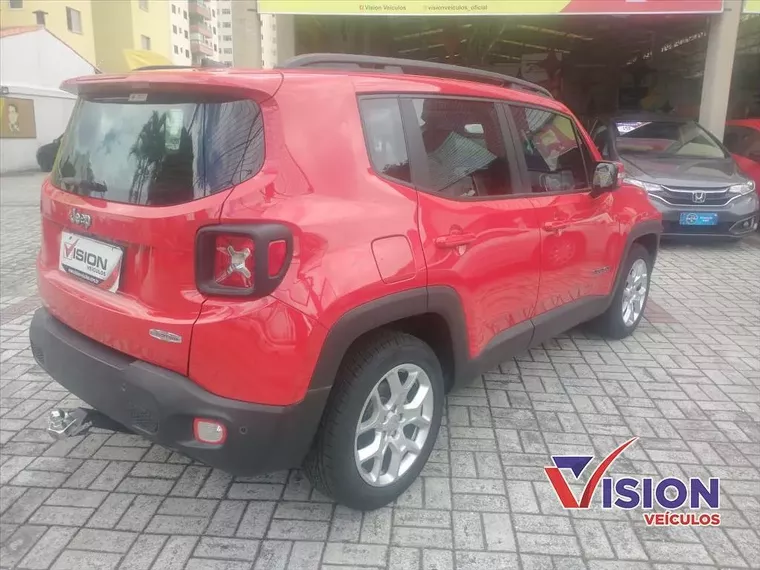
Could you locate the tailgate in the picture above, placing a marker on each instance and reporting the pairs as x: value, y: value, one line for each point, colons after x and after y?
x: 141, y: 168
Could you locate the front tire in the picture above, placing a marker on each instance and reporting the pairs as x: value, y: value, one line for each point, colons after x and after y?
x: 630, y: 298
x: 381, y: 422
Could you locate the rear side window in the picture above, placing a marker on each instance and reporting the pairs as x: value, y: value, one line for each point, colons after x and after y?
x: 553, y: 154
x: 463, y: 146
x: 159, y: 150
x: 384, y: 133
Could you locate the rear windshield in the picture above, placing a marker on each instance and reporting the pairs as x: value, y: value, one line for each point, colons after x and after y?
x: 159, y: 150
x: 666, y: 139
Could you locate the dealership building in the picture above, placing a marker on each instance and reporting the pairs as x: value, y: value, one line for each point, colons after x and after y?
x: 696, y: 58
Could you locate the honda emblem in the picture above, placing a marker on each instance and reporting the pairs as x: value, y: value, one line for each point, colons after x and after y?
x: 699, y: 197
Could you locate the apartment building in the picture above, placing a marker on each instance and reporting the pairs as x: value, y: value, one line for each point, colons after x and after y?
x: 99, y: 30
x: 69, y: 20
x: 225, y: 31
x: 128, y: 25
x: 204, y: 30
x: 246, y: 34
x: 179, y: 19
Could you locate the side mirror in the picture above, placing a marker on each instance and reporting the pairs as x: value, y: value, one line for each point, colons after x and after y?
x: 606, y: 178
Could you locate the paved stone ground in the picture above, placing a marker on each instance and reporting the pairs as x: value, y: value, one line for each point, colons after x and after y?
x: 686, y: 383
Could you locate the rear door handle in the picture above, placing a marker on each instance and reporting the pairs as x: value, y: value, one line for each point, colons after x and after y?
x: 454, y: 240
x: 555, y: 226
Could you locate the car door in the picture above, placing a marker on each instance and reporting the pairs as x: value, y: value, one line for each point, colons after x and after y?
x: 479, y: 237
x: 579, y: 232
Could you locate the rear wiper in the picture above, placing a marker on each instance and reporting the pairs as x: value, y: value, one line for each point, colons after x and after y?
x: 78, y: 185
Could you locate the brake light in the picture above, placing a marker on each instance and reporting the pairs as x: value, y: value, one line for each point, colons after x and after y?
x: 278, y: 251
x: 242, y: 260
x: 233, y: 261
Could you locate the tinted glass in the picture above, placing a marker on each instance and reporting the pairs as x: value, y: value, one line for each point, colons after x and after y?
x: 553, y: 155
x: 743, y: 141
x: 159, y: 151
x: 666, y: 139
x: 464, y: 147
x: 385, y: 137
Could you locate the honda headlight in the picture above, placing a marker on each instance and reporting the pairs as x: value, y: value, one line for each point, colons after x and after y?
x: 741, y: 189
x: 648, y: 186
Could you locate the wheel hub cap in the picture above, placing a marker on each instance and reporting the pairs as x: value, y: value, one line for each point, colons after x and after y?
x: 394, y: 425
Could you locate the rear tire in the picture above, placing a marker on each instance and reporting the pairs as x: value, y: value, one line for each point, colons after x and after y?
x: 629, y: 301
x: 359, y: 419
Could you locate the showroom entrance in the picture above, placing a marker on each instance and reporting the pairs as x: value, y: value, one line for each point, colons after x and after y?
x: 597, y: 56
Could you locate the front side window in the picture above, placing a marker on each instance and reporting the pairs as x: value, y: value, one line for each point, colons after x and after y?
x: 384, y: 133
x: 159, y: 149
x: 743, y: 141
x: 73, y: 20
x: 553, y: 154
x: 665, y: 139
x: 463, y: 147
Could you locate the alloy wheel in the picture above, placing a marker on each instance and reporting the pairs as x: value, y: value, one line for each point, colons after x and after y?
x: 394, y: 425
x: 635, y: 292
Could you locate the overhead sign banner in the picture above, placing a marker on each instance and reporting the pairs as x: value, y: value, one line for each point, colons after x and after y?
x: 493, y: 7
x: 752, y: 6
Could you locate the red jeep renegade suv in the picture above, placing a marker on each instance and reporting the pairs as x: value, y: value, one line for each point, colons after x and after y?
x: 267, y: 269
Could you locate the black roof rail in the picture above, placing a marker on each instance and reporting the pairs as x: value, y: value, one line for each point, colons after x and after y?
x: 409, y: 66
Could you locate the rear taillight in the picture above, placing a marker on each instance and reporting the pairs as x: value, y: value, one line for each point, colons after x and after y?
x: 233, y: 261
x: 249, y: 260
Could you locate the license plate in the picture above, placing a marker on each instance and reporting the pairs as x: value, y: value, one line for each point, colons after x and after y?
x: 91, y: 260
x: 695, y: 219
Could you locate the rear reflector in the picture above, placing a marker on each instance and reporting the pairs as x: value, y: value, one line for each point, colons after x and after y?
x: 209, y: 431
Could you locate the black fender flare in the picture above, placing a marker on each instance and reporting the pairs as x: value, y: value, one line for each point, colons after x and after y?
x: 645, y: 228
x: 440, y: 300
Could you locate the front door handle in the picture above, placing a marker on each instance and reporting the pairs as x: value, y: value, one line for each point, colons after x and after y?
x: 454, y: 240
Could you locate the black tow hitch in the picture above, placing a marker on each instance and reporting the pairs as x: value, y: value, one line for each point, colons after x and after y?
x: 64, y: 423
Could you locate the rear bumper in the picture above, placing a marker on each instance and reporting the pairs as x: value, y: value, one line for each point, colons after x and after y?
x: 160, y: 404
x: 737, y: 219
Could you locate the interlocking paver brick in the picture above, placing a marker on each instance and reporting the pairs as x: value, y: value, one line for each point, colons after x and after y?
x: 687, y: 384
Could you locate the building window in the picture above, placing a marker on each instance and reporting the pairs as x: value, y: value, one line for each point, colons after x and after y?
x: 187, y: 53
x: 15, y: 4
x: 226, y: 11
x: 74, y: 20
x: 186, y: 36
x: 228, y: 51
x: 184, y: 14
x: 227, y: 38
x: 213, y: 13
x: 145, y: 42
x: 174, y: 9
x: 176, y: 49
x: 144, y: 5
x: 214, y: 29
x: 215, y: 49
x: 174, y: 28
x: 226, y: 24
